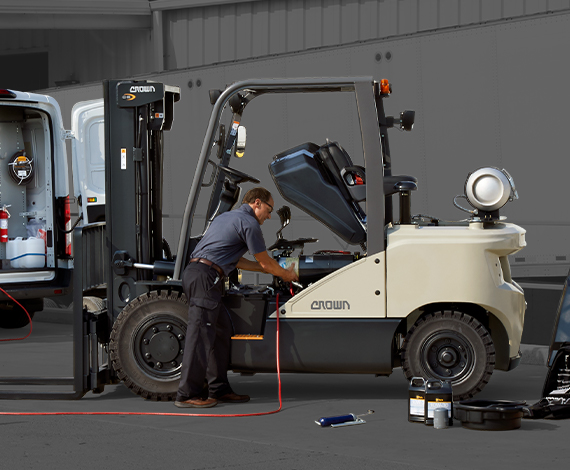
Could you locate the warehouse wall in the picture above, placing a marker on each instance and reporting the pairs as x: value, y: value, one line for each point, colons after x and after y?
x: 236, y: 31
x: 75, y: 56
x: 88, y: 41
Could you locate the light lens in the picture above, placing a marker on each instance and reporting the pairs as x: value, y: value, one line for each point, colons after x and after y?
x: 489, y: 189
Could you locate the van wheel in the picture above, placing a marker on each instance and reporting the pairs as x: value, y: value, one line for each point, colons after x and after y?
x: 147, y: 344
x: 450, y: 346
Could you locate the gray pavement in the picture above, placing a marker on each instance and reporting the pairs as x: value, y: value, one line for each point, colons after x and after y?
x: 287, y: 440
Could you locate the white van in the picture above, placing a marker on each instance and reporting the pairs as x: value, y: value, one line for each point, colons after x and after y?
x: 35, y: 221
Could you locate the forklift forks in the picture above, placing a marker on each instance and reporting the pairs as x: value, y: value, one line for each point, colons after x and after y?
x: 88, y: 373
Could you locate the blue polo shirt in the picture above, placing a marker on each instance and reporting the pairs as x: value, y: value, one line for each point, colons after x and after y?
x: 229, y: 236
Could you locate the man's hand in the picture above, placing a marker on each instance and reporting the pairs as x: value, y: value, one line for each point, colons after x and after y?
x: 290, y: 275
x: 269, y: 265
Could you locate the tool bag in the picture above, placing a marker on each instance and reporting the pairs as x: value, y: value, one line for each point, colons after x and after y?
x: 556, y: 401
x: 547, y: 409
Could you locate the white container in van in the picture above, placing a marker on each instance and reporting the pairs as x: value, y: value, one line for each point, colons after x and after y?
x: 32, y: 254
x: 13, y: 251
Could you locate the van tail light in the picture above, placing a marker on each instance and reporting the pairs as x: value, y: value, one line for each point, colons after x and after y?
x: 7, y: 94
x: 67, y: 227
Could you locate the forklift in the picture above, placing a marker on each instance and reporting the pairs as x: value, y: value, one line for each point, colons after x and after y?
x: 434, y: 298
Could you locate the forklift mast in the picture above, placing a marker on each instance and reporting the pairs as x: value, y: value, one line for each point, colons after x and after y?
x: 136, y: 115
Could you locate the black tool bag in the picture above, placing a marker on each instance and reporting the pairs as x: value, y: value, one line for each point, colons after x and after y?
x: 545, y: 408
x: 556, y: 392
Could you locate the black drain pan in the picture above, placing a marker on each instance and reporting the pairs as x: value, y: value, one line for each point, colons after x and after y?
x: 489, y: 415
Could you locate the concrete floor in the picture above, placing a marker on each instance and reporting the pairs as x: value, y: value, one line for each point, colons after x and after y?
x: 287, y: 440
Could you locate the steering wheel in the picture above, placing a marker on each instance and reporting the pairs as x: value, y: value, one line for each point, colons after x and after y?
x: 238, y: 176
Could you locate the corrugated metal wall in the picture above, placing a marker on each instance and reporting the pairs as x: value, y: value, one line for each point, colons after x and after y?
x: 84, y: 55
x: 228, y: 32
x: 197, y: 36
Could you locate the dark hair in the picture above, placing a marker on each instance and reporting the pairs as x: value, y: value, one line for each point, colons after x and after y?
x: 256, y: 193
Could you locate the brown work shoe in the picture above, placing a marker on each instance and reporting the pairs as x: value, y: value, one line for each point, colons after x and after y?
x: 196, y: 402
x: 233, y: 398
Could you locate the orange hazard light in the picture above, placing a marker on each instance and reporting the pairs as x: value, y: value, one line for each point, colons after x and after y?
x: 385, y: 88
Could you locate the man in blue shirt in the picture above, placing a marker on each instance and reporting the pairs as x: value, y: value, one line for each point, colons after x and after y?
x: 208, y: 335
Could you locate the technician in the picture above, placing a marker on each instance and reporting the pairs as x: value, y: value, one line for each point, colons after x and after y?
x: 209, y: 331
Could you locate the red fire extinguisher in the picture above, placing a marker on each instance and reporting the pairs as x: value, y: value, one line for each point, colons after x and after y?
x: 4, y: 216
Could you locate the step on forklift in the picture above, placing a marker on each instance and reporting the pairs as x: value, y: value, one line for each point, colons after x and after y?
x: 432, y: 297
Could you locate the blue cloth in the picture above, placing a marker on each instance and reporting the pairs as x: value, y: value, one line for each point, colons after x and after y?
x: 229, y: 236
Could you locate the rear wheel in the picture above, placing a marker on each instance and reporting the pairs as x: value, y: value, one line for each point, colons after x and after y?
x: 147, y: 344
x: 450, y: 346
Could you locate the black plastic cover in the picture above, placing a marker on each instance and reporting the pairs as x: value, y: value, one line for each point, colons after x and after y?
x: 303, y: 180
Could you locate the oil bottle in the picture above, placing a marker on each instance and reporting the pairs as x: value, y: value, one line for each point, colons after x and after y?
x: 416, y: 400
x: 438, y: 394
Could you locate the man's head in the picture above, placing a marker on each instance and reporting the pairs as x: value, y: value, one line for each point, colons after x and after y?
x: 260, y: 200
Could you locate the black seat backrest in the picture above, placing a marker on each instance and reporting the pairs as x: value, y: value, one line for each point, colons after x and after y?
x: 334, y: 161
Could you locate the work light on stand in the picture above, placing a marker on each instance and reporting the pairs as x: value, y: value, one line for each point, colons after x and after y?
x: 487, y: 190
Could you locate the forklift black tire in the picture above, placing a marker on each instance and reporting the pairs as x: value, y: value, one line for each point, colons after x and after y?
x: 12, y: 316
x: 450, y: 346
x: 147, y: 344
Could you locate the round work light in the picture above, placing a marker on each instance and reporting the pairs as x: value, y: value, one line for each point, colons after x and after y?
x: 488, y: 189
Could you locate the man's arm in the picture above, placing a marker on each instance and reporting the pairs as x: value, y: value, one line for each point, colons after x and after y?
x: 269, y: 265
x: 248, y: 265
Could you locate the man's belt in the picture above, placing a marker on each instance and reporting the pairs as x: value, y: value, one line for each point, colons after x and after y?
x: 209, y: 263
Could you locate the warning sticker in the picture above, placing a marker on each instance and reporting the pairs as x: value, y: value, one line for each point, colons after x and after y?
x: 433, y: 405
x: 123, y: 159
x: 416, y: 407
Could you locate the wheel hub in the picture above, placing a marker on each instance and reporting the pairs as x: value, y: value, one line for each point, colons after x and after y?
x: 164, y: 346
x: 159, y: 346
x: 447, y: 355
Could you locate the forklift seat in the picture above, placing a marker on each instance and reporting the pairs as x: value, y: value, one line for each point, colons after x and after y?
x: 322, y: 181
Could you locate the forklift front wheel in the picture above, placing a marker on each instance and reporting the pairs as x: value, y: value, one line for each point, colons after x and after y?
x: 147, y: 344
x: 450, y: 346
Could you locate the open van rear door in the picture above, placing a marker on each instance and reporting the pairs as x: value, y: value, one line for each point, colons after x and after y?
x: 35, y: 250
x: 88, y: 159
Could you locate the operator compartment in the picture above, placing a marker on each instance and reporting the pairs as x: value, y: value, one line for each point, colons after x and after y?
x: 26, y: 199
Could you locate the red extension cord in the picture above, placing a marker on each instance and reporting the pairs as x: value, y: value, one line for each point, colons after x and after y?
x: 29, y: 318
x: 53, y: 413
